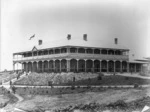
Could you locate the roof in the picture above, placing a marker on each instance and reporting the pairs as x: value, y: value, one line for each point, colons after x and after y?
x: 78, y: 43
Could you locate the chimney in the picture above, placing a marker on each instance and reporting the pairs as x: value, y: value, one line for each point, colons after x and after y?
x: 116, y: 41
x: 69, y: 36
x: 40, y: 42
x: 85, y: 37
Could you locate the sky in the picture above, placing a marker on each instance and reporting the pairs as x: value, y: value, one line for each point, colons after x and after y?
x: 52, y: 20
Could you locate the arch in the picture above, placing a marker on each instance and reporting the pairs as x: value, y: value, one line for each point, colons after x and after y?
x: 73, y: 50
x: 51, y: 51
x: 63, y: 50
x: 40, y: 53
x: 81, y: 50
x: 103, y: 51
x: 57, y: 65
x: 40, y: 66
x: 124, y: 66
x: 89, y: 65
x: 63, y: 65
x: 45, y: 52
x: 35, y: 66
x: 81, y: 65
x: 96, y: 51
x: 51, y: 67
x: 104, y: 66
x: 73, y: 65
x: 57, y: 51
x: 89, y: 51
x: 117, y: 52
x: 111, y: 52
x: 111, y: 66
x: 25, y: 67
x: 118, y: 66
x: 45, y: 66
x: 29, y: 66
x: 96, y: 66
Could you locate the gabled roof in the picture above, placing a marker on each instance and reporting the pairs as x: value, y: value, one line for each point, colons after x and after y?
x: 78, y: 43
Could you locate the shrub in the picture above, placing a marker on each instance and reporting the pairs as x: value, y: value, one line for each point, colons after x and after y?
x: 126, y: 78
x: 136, y: 85
x: 72, y: 87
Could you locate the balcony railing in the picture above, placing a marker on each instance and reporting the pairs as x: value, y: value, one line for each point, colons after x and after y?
x: 74, y: 56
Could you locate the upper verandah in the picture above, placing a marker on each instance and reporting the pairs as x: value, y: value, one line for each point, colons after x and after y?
x: 76, y: 43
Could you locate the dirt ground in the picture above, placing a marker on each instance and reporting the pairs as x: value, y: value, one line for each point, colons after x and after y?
x: 47, y: 102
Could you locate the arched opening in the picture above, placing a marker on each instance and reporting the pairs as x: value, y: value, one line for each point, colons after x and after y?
x: 89, y: 51
x: 117, y: 52
x: 104, y: 66
x: 81, y: 50
x: 96, y: 66
x: 111, y: 52
x: 40, y: 53
x: 51, y: 51
x: 96, y: 51
x: 57, y: 51
x: 40, y: 66
x: 89, y: 65
x: 29, y: 66
x: 103, y: 51
x: 73, y: 50
x: 111, y: 66
x: 34, y: 66
x: 45, y: 52
x: 63, y: 50
x: 73, y: 65
x: 45, y: 66
x: 117, y: 63
x: 51, y: 68
x: 63, y: 65
x: 124, y: 66
x: 57, y: 65
x: 81, y: 65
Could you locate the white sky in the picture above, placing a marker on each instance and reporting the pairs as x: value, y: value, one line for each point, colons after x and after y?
x: 52, y: 20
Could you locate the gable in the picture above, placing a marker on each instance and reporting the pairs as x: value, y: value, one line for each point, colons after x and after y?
x: 34, y: 49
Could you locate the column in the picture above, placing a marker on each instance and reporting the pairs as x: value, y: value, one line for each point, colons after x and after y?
x: 32, y: 66
x: 22, y: 66
x: 114, y: 65
x: 120, y: 65
x: 135, y: 67
x: 107, y: 66
x: 93, y: 66
x: 127, y: 66
x: 54, y: 65
x: 48, y: 66
x: 37, y: 67
x: 13, y: 66
x: 100, y: 65
x: 85, y: 64
x: 99, y: 51
x: 77, y: 65
x: 42, y: 66
x: 68, y: 49
x: 60, y: 65
x: 68, y: 65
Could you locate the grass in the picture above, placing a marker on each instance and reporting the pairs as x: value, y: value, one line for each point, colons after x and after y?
x: 81, y: 79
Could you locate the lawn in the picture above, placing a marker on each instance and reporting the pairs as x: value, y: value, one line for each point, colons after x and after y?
x: 86, y: 99
x: 80, y: 79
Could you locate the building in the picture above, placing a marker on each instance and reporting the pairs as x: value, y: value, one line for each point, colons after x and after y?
x: 76, y: 56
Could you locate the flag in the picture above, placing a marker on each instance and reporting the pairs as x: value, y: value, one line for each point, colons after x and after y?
x: 32, y: 37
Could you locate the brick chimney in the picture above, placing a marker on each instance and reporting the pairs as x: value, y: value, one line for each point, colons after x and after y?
x: 69, y: 36
x: 116, y: 41
x: 40, y: 42
x: 85, y: 37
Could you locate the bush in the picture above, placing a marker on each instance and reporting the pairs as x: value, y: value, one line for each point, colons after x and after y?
x: 136, y: 85
x: 99, y: 77
x: 126, y: 78
x: 72, y: 87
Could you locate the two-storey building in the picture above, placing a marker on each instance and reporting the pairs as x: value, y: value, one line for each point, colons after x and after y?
x: 76, y: 56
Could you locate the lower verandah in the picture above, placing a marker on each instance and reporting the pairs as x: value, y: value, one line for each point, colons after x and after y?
x: 80, y: 65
